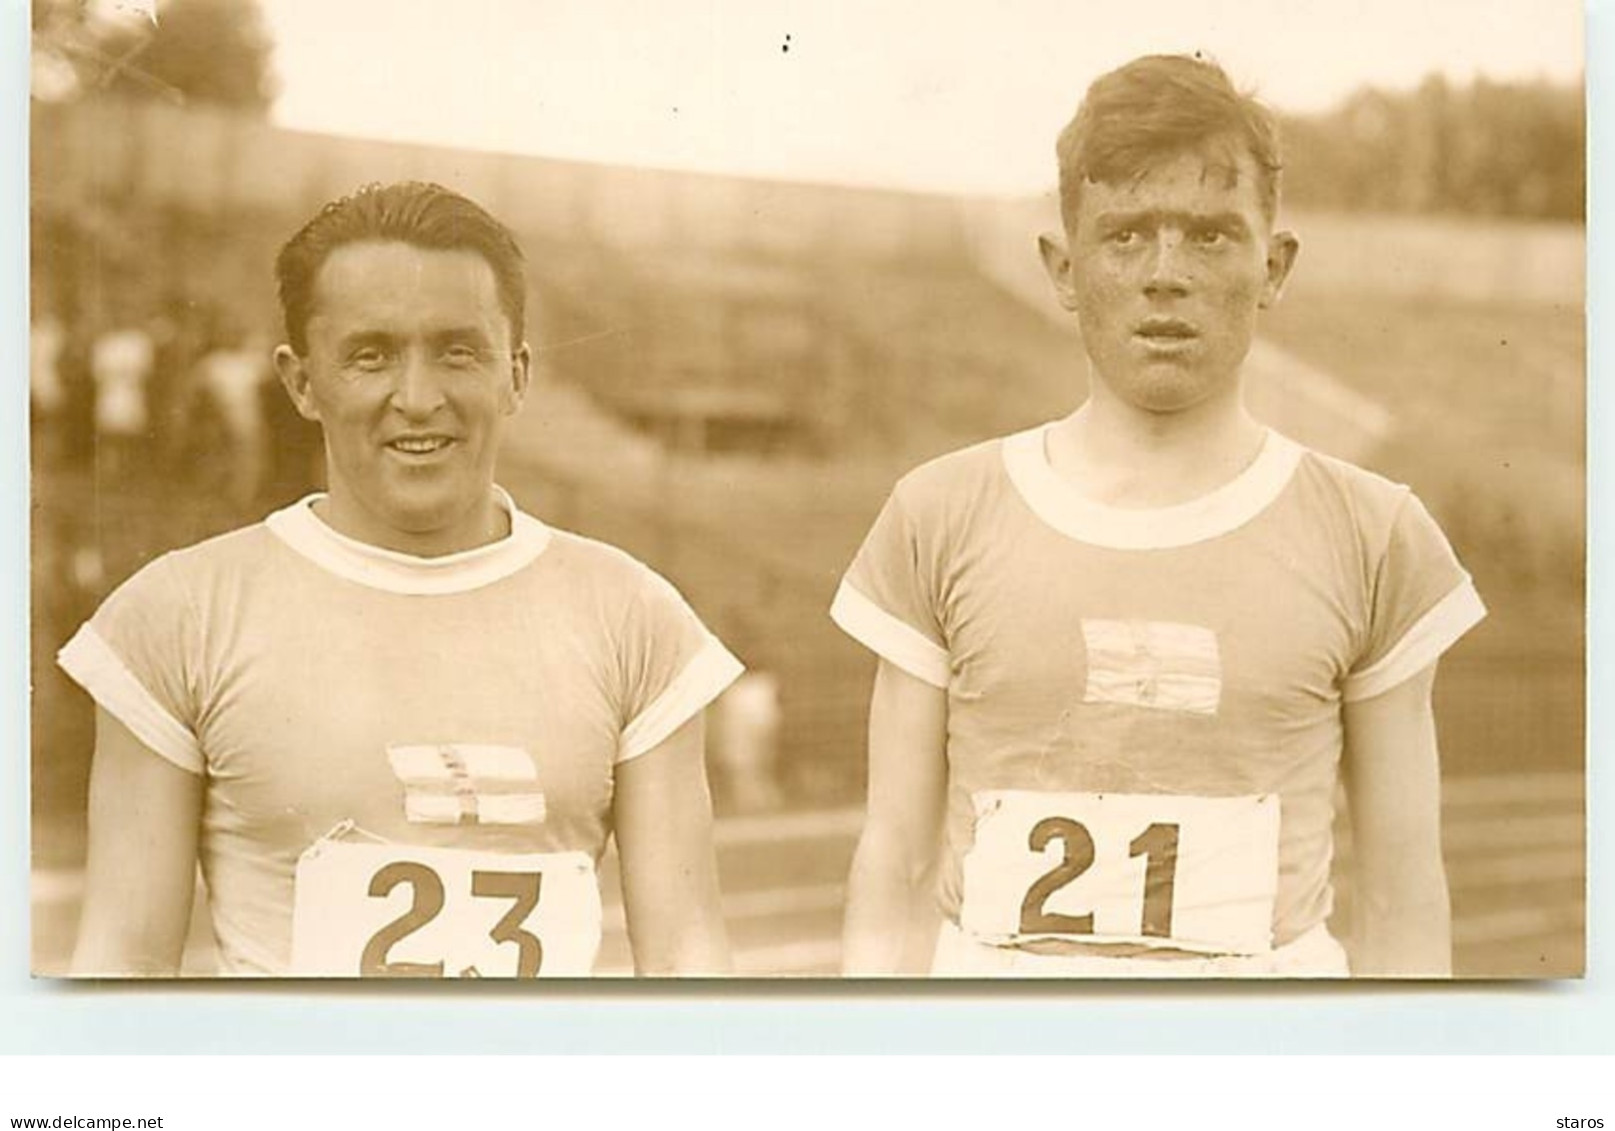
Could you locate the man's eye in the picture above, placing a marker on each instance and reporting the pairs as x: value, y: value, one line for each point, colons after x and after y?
x: 1210, y: 237
x: 367, y: 358
x: 462, y: 355
x: 1123, y: 237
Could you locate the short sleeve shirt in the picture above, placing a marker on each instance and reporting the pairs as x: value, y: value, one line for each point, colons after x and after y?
x: 299, y: 672
x: 1204, y: 649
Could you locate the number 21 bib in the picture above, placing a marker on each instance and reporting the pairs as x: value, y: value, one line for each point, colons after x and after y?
x: 1162, y: 870
x: 393, y: 910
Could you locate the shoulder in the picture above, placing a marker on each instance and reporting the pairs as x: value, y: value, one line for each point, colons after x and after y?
x: 1370, y: 501
x: 232, y: 548
x: 953, y: 488
x: 224, y: 559
x: 157, y: 616
x: 962, y: 469
x: 633, y: 612
x: 590, y: 565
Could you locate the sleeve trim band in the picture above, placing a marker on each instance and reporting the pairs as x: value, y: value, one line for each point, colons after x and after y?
x: 92, y: 663
x: 703, y: 679
x: 1430, y: 636
x: 890, y: 638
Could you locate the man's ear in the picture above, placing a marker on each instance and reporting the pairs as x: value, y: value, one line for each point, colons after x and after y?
x: 293, y: 374
x: 1282, y: 249
x: 521, y: 376
x: 1057, y: 264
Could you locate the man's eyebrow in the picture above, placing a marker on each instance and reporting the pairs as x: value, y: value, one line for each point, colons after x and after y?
x: 1124, y: 217
x: 370, y: 337
x: 458, y: 333
x: 1229, y: 219
x: 365, y: 338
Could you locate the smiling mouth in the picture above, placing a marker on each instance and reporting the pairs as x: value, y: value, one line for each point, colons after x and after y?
x: 419, y: 445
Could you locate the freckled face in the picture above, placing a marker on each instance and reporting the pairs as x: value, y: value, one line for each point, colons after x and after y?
x: 1166, y: 274
x: 410, y: 372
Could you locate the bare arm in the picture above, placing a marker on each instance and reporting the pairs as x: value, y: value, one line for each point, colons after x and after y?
x: 891, y: 917
x: 145, y: 821
x: 1402, y: 917
x: 663, y: 816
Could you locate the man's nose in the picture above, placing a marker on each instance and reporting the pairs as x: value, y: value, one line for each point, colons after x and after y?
x: 418, y: 389
x: 1168, y: 268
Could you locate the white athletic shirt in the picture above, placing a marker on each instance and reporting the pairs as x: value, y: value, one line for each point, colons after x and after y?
x: 1201, y: 651
x: 290, y: 666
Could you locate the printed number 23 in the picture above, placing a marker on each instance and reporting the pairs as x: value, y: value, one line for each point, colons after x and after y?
x: 427, y: 901
x: 1158, y: 844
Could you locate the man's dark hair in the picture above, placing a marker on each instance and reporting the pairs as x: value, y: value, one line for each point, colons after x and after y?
x: 1155, y: 108
x: 413, y: 212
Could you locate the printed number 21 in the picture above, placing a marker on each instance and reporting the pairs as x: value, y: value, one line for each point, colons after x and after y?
x: 427, y: 900
x: 1158, y: 844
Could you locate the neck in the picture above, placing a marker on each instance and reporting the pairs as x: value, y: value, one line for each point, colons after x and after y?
x: 1118, y: 455
x: 480, y: 526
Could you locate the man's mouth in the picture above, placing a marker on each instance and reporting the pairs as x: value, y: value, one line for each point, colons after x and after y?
x: 1166, y: 330
x: 419, y: 445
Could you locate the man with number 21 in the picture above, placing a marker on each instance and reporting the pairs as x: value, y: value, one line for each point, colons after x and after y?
x: 396, y: 723
x: 1126, y: 658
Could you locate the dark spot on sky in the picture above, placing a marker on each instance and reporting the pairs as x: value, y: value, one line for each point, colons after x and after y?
x: 785, y: 48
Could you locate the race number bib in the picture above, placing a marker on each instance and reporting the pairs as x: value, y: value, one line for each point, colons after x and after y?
x: 1191, y: 873
x: 392, y: 910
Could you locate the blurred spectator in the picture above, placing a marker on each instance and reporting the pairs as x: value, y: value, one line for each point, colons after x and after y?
x: 745, y: 748
x: 121, y: 367
x: 232, y: 377
x: 178, y: 338
x: 76, y: 431
x: 47, y: 396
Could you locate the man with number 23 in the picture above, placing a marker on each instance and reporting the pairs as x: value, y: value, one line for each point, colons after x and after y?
x: 396, y: 723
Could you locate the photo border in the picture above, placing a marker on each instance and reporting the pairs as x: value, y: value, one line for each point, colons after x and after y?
x: 40, y: 1015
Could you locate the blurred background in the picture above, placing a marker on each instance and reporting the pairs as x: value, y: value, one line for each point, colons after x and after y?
x: 789, y: 259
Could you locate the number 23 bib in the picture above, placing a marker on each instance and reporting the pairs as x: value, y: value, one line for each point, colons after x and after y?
x: 1161, y: 870
x: 392, y: 910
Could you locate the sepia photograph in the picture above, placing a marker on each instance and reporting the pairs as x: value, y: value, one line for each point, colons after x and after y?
x: 782, y: 492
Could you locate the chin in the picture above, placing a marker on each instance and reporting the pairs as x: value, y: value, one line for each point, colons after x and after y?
x: 1169, y: 395
x: 422, y: 518
x: 429, y: 496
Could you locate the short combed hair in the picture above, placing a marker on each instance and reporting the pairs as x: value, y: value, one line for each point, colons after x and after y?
x: 414, y: 212
x: 1153, y: 109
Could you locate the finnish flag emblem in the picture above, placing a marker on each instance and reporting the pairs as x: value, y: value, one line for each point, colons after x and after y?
x: 1156, y: 664
x: 456, y: 783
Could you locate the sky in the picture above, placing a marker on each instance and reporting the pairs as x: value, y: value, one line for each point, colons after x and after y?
x: 942, y: 96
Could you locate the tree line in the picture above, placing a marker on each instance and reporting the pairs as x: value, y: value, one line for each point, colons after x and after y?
x: 1487, y: 148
